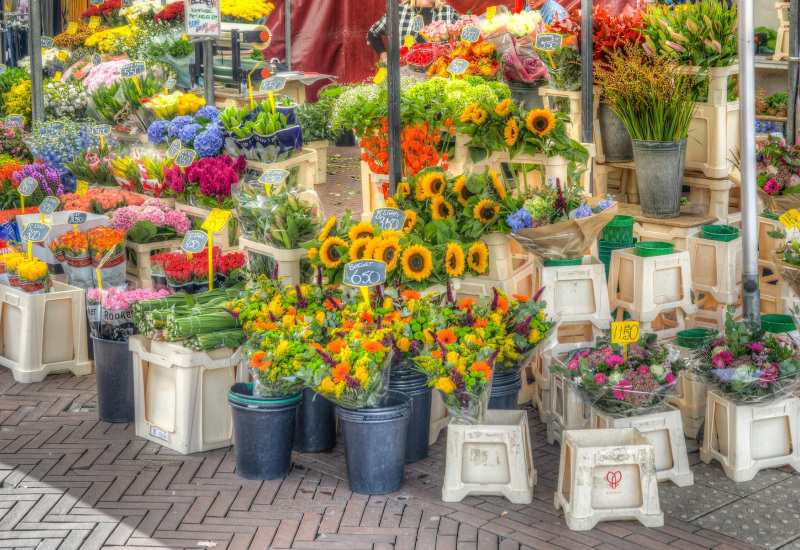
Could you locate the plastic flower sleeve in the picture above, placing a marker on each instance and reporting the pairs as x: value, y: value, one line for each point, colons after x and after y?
x: 788, y: 272
x: 545, y: 344
x: 251, y: 201
x: 565, y: 240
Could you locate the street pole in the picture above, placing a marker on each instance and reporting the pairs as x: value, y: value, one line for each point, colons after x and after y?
x: 587, y: 70
x: 794, y: 69
x: 751, y: 299
x: 287, y: 32
x: 35, y: 51
x: 208, y: 71
x: 393, y: 85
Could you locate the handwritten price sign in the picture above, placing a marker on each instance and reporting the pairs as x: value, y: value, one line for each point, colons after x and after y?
x: 457, y: 66
x: 96, y: 60
x: 273, y: 177
x: 548, y: 42
x: 417, y: 24
x: 47, y: 42
x: 77, y: 218
x: 27, y: 187
x: 36, y: 232
x: 194, y: 241
x: 174, y: 147
x: 185, y: 157
x: 365, y: 273
x: 471, y: 34
x: 216, y: 220
x: 273, y: 84
x: 790, y: 219
x: 15, y: 121
x: 55, y: 129
x: 101, y: 130
x: 81, y: 188
x: 625, y: 332
x: 49, y: 205
x: 388, y: 219
x: 132, y: 69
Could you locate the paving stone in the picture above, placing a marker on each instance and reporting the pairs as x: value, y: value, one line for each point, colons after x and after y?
x: 712, y: 475
x: 690, y: 503
x: 751, y: 521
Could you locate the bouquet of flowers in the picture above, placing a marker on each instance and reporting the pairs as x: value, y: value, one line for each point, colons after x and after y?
x: 563, y: 65
x: 75, y: 139
x: 34, y: 277
x: 100, y: 200
x: 93, y: 166
x: 48, y: 178
x: 778, y: 174
x: 72, y: 250
x: 108, y: 11
x: 110, y: 314
x: 748, y: 364
x: 151, y: 222
x: 104, y: 75
x: 65, y: 100
x: 207, y: 182
x: 12, y: 142
x: 107, y: 249
x: 229, y: 269
x: 482, y: 58
x: 245, y: 11
x: 13, y: 260
x: 171, y: 15
x: 276, y: 356
x: 174, y: 104
x: 623, y: 383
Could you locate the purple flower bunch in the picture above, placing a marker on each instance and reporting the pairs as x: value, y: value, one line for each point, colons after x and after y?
x: 153, y: 210
x: 48, y: 178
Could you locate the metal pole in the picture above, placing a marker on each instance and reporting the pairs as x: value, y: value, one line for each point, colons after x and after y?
x: 393, y: 84
x: 208, y: 71
x: 747, y: 120
x: 35, y: 51
x: 794, y: 57
x: 587, y: 70
x: 287, y: 31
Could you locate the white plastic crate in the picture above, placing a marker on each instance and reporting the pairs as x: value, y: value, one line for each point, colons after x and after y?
x: 717, y: 78
x: 571, y: 335
x: 575, y: 113
x: 440, y: 418
x: 672, y: 230
x: 746, y: 439
x: 371, y: 196
x: 305, y: 162
x: 527, y: 372
x: 711, y: 314
x: 767, y: 244
x: 139, y: 266
x: 667, y: 323
x: 716, y: 268
x: 782, y: 40
x: 542, y: 400
x: 222, y: 238
x: 181, y: 395
x: 711, y: 195
x: 691, y: 401
x: 713, y: 134
x: 288, y: 260
x: 618, y: 179
x: 576, y: 293
x: 43, y: 333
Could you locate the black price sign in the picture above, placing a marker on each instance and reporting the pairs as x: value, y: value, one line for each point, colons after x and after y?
x: 132, y: 69
x: 365, y: 273
x: 49, y: 205
x: 185, y: 157
x: 471, y: 34
x: 101, y: 130
x: 273, y: 177
x: 548, y: 42
x: 458, y: 66
x: 47, y: 42
x: 169, y: 84
x: 174, y: 147
x: 15, y: 120
x: 3, y: 68
x: 127, y: 3
x: 273, y: 84
x: 96, y: 60
x: 77, y: 218
x: 55, y: 129
x: 194, y: 241
x: 417, y: 24
x: 36, y: 232
x: 388, y: 219
x: 27, y: 187
x: 96, y: 2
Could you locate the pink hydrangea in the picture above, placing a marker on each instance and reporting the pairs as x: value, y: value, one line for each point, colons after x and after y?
x: 178, y: 220
x: 600, y: 379
x: 125, y: 218
x: 153, y: 214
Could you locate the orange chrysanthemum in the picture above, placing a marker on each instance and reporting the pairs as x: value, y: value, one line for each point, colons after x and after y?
x: 482, y: 366
x: 371, y: 346
x: 465, y: 303
x: 335, y: 346
x: 339, y: 372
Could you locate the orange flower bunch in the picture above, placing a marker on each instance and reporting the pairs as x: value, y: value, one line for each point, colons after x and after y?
x: 103, y: 239
x: 480, y: 55
x: 418, y: 143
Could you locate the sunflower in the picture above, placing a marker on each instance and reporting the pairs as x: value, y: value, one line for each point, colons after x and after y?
x: 454, y: 260
x: 391, y: 203
x: 312, y: 253
x: 479, y: 116
x: 358, y: 250
x: 511, y: 132
x: 503, y: 108
x: 411, y: 221
x: 434, y: 184
x: 404, y: 189
x: 466, y: 116
x: 361, y: 230
x: 486, y: 210
x: 499, y: 188
x: 460, y: 187
x: 419, y: 190
x: 540, y: 121
x: 417, y: 262
x: 331, y: 257
x: 478, y: 258
x: 441, y: 208
x: 387, y: 251
x: 327, y: 229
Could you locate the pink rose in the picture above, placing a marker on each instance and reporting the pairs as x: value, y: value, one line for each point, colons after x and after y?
x: 573, y: 365
x: 670, y: 379
x: 600, y: 379
x: 722, y: 359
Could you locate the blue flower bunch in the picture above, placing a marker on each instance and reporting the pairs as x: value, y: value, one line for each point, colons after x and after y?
x: 55, y: 153
x: 199, y: 132
x: 521, y: 219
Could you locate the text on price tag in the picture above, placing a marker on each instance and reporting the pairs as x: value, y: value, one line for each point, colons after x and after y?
x: 3, y: 68
x: 81, y: 188
x: 185, y: 157
x: 27, y: 187
x: 273, y: 177
x: 36, y: 232
x: 49, y: 205
x: 408, y: 41
x: 457, y: 66
x: 625, y: 332
x: 548, y: 42
x: 169, y: 84
x: 388, y: 219
x: 55, y: 129
x: 174, y: 147
x: 94, y: 22
x: 47, y: 42
x: 101, y: 130
x: 62, y: 55
x: 77, y: 218
x: 216, y: 220
x: 132, y: 69
x: 273, y: 84
x: 96, y: 60
x: 194, y: 241
x: 471, y: 34
x: 790, y: 218
x: 15, y: 120
x: 72, y: 28
x: 381, y: 76
x: 417, y: 24
x: 364, y: 273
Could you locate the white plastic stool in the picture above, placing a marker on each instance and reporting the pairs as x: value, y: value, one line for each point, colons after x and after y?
x: 716, y: 268
x: 569, y: 410
x: 439, y: 417
x: 576, y: 293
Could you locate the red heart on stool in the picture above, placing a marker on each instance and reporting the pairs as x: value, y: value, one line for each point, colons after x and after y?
x: 614, y: 478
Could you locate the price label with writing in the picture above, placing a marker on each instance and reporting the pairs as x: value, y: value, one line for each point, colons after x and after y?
x: 381, y: 76
x: 36, y: 232
x: 457, y: 66
x: 49, y: 205
x: 388, y: 219
x: 81, y: 188
x: 132, y: 69
x: 185, y: 157
x: 491, y: 11
x: 127, y: 3
x: 94, y: 22
x: 471, y: 34
x: 791, y: 218
x: 101, y: 130
x: 47, y: 42
x: 3, y: 68
x: 174, y: 147
x: 77, y: 218
x: 169, y: 84
x: 408, y: 41
x: 96, y: 60
x: 194, y: 241
x: 62, y: 55
x: 96, y: 2
x: 273, y: 177
x: 216, y: 220
x: 27, y: 187
x: 548, y: 42
x: 625, y: 332
x: 417, y: 24
x: 55, y: 129
x: 72, y: 28
x: 364, y: 273
x: 15, y: 120
x: 273, y: 84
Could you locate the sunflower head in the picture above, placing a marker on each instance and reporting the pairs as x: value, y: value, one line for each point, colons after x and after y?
x: 498, y: 185
x: 511, y: 132
x: 454, y: 260
x: 417, y: 262
x: 403, y: 190
x: 485, y: 210
x: 359, y: 248
x: 441, y: 208
x: 460, y: 187
x: 411, y: 221
x: 478, y: 258
x: 387, y: 251
x: 503, y: 108
x: 479, y: 116
x: 327, y: 229
x: 433, y: 184
x: 540, y: 121
x: 466, y: 116
x: 361, y: 230
x: 329, y: 255
x: 391, y: 203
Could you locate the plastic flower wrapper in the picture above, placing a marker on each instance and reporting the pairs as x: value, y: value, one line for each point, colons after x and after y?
x: 13, y: 261
x: 786, y: 262
x: 624, y: 383
x: 563, y: 65
x: 77, y: 263
x: 110, y: 313
x: 778, y: 174
x: 107, y: 250
x: 749, y: 365
x: 34, y: 276
x: 275, y: 354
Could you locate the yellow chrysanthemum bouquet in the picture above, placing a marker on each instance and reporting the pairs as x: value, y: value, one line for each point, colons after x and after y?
x: 34, y: 277
x: 177, y: 103
x: 245, y: 11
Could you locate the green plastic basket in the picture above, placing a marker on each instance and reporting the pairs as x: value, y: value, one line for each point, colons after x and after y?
x: 619, y: 230
x: 723, y: 233
x: 776, y: 323
x: 554, y: 263
x: 693, y: 338
x: 654, y: 248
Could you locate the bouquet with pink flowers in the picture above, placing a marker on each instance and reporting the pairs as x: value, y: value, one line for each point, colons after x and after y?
x: 620, y: 383
x: 100, y: 200
x: 110, y: 313
x: 207, y: 182
x: 104, y: 75
x: 151, y: 222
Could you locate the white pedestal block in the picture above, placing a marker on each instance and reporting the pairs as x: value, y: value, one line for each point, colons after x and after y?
x: 574, y: 293
x: 568, y: 409
x: 440, y: 418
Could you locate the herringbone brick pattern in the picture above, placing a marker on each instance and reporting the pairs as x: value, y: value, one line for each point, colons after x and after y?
x: 71, y: 481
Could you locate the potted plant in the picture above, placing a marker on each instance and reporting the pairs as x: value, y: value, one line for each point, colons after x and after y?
x: 656, y: 102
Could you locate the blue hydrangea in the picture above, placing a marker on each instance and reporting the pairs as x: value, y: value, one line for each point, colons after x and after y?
x: 157, y: 132
x: 177, y: 124
x: 209, y: 112
x: 208, y: 143
x: 602, y: 205
x: 583, y: 211
x: 521, y: 219
x: 188, y: 132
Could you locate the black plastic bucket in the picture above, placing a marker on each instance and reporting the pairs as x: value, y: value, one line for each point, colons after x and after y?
x: 263, y: 430
x: 315, y: 428
x: 505, y: 390
x: 375, y: 445
x: 415, y: 385
x: 113, y: 366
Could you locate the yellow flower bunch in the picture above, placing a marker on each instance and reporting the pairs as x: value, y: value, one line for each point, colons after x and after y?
x: 106, y: 40
x: 18, y: 100
x: 32, y: 269
x: 13, y: 260
x: 167, y: 107
x: 249, y: 10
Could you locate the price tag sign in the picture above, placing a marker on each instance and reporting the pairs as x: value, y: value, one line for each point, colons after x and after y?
x: 548, y: 42
x: 72, y: 28
x: 94, y: 22
x: 389, y: 219
x: 381, y: 76
x: 273, y: 84
x: 194, y: 241
x: 417, y: 24
x: 57, y: 76
x: 408, y: 41
x: 365, y: 273
x: 127, y: 3
x: 96, y: 2
x: 47, y: 42
x: 185, y: 157
x: 36, y: 232
x: 216, y: 220
x: 49, y: 205
x: 27, y: 187
x: 625, y: 332
x: 77, y: 218
x: 3, y: 68
x: 96, y: 60
x: 471, y: 34
x: 457, y: 66
x: 81, y: 188
x: 101, y: 130
x: 15, y: 121
x: 55, y: 129
x: 491, y: 11
x: 174, y: 147
x: 790, y: 219
x: 132, y: 69
x: 273, y: 177
x: 169, y: 84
